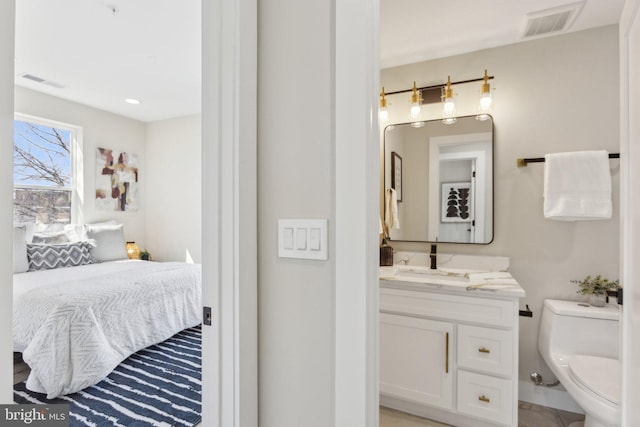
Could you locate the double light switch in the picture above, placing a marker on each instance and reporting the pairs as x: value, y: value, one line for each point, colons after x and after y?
x: 302, y: 238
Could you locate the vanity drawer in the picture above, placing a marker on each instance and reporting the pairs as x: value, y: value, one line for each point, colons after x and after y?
x: 485, y: 397
x: 485, y: 349
x: 489, y: 312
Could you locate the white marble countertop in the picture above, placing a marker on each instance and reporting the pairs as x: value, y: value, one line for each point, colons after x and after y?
x: 457, y: 280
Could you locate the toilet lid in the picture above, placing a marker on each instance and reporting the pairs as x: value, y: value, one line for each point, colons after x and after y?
x: 601, y: 375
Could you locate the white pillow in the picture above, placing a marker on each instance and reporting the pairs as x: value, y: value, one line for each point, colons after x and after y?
x: 50, y: 237
x: 110, y: 243
x: 49, y: 227
x: 76, y: 232
x: 30, y: 228
x: 20, y: 260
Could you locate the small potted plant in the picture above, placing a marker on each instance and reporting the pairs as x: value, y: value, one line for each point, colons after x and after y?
x: 145, y: 255
x: 595, y: 289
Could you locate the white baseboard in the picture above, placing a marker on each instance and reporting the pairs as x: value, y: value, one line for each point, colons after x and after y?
x: 552, y: 397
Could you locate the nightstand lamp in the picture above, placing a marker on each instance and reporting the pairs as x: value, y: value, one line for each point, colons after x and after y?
x: 132, y: 250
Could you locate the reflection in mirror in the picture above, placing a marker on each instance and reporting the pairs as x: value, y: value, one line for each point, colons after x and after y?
x: 443, y: 180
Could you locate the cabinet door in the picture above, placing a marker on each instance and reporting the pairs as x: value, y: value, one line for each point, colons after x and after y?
x: 416, y: 360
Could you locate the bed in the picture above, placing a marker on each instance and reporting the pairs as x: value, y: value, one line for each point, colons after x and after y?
x: 74, y: 325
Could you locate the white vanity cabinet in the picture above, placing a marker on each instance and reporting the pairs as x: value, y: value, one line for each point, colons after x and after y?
x: 415, y: 363
x: 449, y: 354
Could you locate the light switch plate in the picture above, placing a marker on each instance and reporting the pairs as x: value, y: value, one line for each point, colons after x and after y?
x: 302, y: 238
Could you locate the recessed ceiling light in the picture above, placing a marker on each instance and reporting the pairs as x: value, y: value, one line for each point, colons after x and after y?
x: 132, y: 101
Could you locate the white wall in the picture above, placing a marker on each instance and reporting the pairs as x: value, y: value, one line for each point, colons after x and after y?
x: 413, y: 211
x: 295, y: 297
x: 168, y: 221
x: 173, y: 196
x: 552, y: 95
x: 100, y: 129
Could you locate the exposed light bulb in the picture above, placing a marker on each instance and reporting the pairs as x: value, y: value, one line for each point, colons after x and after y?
x: 415, y: 112
x: 383, y: 115
x: 485, y: 102
x: 449, y: 107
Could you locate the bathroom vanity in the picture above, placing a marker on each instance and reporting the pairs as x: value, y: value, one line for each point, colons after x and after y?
x: 449, y: 341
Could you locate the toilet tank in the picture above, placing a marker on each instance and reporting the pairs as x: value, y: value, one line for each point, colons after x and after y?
x: 571, y: 327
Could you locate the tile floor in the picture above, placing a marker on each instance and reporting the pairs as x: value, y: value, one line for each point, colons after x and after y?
x: 529, y: 415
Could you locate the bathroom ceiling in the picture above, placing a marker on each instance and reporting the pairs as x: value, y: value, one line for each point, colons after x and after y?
x: 419, y: 30
x: 100, y: 52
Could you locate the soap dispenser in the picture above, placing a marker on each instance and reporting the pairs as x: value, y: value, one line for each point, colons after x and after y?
x: 386, y: 253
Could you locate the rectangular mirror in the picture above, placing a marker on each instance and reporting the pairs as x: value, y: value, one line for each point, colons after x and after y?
x: 443, y: 178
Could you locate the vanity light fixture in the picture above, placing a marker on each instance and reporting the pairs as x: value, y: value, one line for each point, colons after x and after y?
x: 486, y: 102
x: 434, y: 94
x: 448, y: 104
x: 132, y: 101
x: 383, y: 113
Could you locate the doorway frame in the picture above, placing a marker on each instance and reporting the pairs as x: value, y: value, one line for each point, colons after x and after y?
x: 7, y: 50
x: 229, y: 212
x: 629, y: 41
x: 357, y: 197
x: 229, y: 56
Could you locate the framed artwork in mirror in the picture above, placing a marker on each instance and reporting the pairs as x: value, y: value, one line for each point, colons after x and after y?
x: 456, y: 202
x: 396, y: 174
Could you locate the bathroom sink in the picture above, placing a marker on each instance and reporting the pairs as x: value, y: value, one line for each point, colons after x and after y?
x: 471, y: 280
x: 425, y: 274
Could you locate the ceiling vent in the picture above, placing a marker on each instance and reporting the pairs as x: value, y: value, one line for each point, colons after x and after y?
x: 41, y: 80
x: 551, y: 20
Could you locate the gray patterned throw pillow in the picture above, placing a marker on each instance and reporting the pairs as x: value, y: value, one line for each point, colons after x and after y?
x: 45, y: 257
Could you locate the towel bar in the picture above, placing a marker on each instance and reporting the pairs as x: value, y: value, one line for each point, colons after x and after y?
x: 524, y: 162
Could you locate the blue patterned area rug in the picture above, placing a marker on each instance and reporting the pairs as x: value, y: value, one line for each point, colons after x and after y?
x: 157, y: 386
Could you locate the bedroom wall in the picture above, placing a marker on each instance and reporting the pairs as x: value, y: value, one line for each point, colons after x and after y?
x: 100, y: 129
x: 173, y: 198
x: 553, y: 94
x: 7, y: 13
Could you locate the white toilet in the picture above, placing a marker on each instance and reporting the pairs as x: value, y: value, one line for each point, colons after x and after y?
x: 580, y: 343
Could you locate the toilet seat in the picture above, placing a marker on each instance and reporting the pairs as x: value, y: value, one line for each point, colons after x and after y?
x: 601, y: 375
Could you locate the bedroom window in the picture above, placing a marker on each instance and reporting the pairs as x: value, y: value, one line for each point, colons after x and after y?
x: 43, y: 170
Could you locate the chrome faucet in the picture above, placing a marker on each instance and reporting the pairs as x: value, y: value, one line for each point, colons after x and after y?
x: 404, y: 261
x: 433, y: 256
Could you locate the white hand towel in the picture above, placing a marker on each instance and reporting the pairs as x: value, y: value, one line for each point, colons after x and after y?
x: 391, y: 209
x: 577, y: 186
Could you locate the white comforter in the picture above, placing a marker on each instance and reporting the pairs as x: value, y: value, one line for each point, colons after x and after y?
x: 75, y: 325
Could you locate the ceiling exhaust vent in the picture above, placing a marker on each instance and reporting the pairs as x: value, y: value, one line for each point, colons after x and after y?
x: 41, y: 80
x: 551, y: 20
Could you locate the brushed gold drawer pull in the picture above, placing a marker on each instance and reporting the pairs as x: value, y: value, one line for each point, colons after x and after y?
x: 446, y: 353
x: 484, y: 398
x: 484, y: 350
